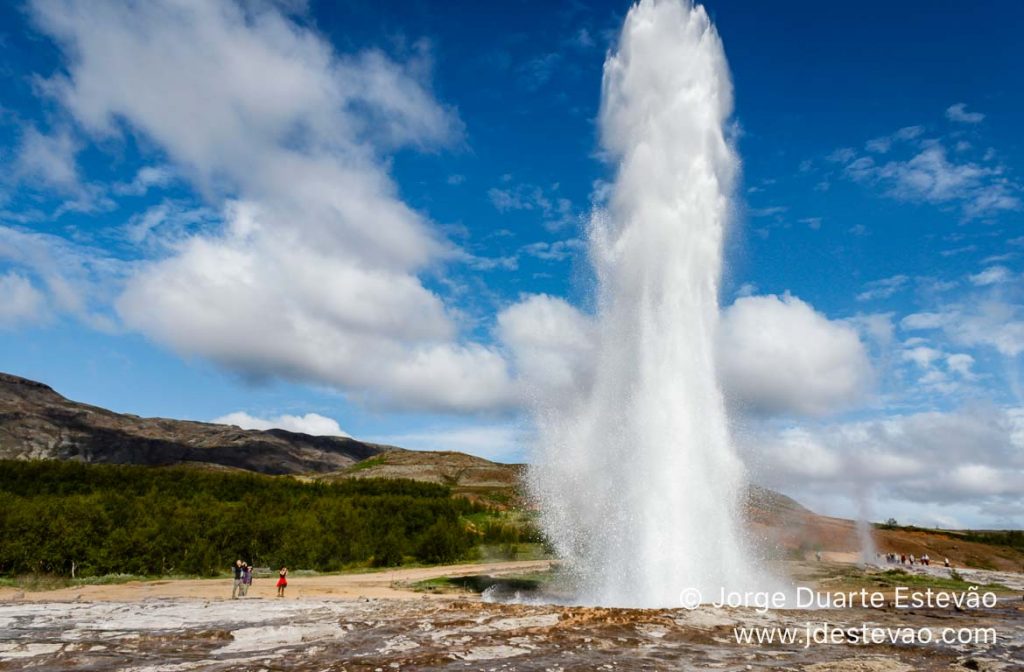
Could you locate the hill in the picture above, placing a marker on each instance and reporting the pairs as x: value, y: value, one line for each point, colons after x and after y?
x: 796, y: 532
x: 38, y: 423
x: 477, y: 479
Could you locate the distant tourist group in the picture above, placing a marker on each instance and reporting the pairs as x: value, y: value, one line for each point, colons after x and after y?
x: 904, y: 559
x: 243, y: 580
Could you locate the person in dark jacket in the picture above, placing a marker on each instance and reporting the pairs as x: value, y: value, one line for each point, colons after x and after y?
x: 236, y: 587
x: 246, y: 578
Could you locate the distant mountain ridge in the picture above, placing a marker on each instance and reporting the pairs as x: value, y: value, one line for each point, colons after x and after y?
x: 38, y: 423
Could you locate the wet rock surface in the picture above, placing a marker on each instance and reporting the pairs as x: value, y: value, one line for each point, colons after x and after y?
x: 464, y: 634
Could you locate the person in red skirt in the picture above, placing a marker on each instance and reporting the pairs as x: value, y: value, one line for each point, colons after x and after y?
x: 282, y: 581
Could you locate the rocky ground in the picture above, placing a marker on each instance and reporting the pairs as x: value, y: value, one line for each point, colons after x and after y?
x: 456, y: 632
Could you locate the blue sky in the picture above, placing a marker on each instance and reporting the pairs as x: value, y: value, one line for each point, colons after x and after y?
x: 164, y: 247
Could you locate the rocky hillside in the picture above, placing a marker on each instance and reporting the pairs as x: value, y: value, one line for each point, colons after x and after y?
x: 38, y: 423
x: 473, y: 477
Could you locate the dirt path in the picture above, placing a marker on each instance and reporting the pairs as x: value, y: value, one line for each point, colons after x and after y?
x: 383, y: 584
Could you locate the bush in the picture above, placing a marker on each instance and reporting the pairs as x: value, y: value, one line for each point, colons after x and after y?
x: 444, y: 541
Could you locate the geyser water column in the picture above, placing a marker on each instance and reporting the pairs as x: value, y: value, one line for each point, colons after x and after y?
x: 637, y: 480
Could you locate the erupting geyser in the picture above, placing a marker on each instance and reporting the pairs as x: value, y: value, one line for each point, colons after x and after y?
x: 637, y: 478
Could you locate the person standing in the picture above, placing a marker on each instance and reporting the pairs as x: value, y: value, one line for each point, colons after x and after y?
x: 282, y: 581
x: 236, y: 587
x: 246, y: 578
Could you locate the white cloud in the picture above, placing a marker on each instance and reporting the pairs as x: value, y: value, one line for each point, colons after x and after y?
x: 842, y: 155
x: 769, y: 211
x: 930, y: 376
x: 20, y: 302
x: 556, y: 212
x: 993, y: 275
x: 48, y: 159
x: 777, y: 354
x: 922, y: 356
x: 884, y: 288
x: 169, y: 225
x: 883, y: 144
x: 916, y: 321
x: 961, y: 363
x: 310, y: 423
x: 314, y: 316
x: 559, y: 250
x: 314, y: 273
x: 971, y: 458
x: 509, y: 263
x: 74, y: 279
x: 928, y: 175
x: 959, y: 113
x: 878, y: 327
x: 931, y: 177
x: 983, y: 322
x: 746, y: 289
x: 145, y: 179
x: 47, y: 162
x: 552, y: 346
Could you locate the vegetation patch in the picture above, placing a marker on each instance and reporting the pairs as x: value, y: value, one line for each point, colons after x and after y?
x: 851, y: 577
x: 75, y: 520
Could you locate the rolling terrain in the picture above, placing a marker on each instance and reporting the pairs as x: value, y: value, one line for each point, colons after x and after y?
x: 38, y: 423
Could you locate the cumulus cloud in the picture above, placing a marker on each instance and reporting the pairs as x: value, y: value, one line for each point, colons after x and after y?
x: 310, y: 423
x: 314, y: 272
x: 20, y: 302
x: 552, y: 345
x: 777, y: 354
x: 970, y: 458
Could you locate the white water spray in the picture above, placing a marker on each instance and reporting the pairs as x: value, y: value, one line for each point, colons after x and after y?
x: 865, y: 534
x: 637, y: 478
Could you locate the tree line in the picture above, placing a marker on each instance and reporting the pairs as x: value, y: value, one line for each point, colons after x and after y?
x: 75, y: 519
